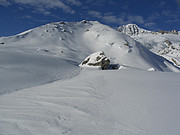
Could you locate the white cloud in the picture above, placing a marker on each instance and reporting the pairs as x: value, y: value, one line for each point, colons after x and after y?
x: 107, y: 17
x: 74, y: 2
x: 111, y: 19
x: 96, y: 2
x: 42, y: 10
x: 95, y: 14
x: 124, y: 18
x: 44, y: 6
x: 27, y: 17
x: 178, y: 1
x: 111, y: 2
x: 136, y: 19
x: 5, y: 3
x: 47, y: 4
x: 149, y: 24
x: 162, y: 4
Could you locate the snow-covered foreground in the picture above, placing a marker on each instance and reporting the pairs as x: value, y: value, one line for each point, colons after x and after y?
x: 96, y: 102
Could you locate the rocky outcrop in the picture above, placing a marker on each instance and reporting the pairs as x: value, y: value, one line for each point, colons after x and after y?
x: 97, y: 59
x: 167, y: 42
x: 168, y: 32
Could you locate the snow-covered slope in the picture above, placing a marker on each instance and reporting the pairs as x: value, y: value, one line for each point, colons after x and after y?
x: 163, y: 43
x: 55, y: 50
x: 43, y: 91
x: 119, y: 102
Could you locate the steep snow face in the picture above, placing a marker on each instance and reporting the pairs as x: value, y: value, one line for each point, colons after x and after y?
x: 166, y: 45
x: 132, y: 29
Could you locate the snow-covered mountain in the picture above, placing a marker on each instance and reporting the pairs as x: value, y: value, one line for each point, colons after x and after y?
x: 67, y: 44
x: 132, y: 29
x: 163, y: 43
x: 59, y: 44
x: 75, y: 41
x: 44, y: 90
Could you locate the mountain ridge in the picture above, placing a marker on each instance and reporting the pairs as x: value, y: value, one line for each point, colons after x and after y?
x: 76, y: 40
x: 163, y: 43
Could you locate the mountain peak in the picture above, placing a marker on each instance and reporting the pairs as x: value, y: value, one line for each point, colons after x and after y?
x: 77, y: 40
x: 132, y: 29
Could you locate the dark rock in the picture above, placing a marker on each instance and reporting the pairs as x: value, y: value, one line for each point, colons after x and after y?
x: 114, y: 66
x: 168, y: 42
x: 62, y: 22
x: 97, y: 59
x: 84, y: 21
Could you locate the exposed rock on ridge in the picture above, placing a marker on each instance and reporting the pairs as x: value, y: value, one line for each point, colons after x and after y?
x: 97, y: 59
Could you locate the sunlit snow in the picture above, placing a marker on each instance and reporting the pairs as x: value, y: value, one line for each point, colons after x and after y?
x: 44, y: 91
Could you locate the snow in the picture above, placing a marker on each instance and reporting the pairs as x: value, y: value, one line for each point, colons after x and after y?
x: 39, y: 55
x: 94, y: 55
x: 93, y: 60
x: 132, y: 29
x: 156, y: 42
x: 20, y: 70
x: 43, y: 91
x: 129, y: 102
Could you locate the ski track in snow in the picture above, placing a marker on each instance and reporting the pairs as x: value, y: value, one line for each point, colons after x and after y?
x: 96, y: 102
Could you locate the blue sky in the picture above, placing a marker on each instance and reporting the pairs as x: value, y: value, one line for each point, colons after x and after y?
x: 20, y: 15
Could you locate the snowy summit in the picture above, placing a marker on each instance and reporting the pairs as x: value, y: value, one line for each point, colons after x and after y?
x: 132, y: 29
